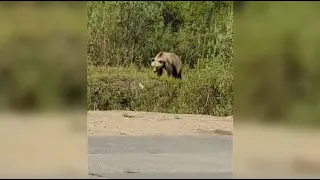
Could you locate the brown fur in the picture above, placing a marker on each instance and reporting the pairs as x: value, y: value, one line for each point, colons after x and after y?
x: 170, y: 62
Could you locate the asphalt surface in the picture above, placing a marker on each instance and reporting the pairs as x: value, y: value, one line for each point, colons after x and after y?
x: 150, y: 157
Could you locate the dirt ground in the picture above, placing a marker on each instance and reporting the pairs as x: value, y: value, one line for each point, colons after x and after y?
x: 115, y: 123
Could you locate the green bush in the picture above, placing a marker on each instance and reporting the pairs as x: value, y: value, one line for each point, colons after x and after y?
x: 123, y: 36
x: 126, y: 33
x: 200, y: 92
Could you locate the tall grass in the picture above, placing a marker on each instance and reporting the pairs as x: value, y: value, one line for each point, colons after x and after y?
x: 123, y: 36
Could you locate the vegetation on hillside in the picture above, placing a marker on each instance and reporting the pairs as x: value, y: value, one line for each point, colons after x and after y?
x: 123, y: 36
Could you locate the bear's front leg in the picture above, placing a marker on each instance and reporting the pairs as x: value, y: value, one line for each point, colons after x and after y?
x: 159, y: 72
x: 169, y: 74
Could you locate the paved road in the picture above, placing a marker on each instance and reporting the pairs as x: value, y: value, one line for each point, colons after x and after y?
x: 160, y: 157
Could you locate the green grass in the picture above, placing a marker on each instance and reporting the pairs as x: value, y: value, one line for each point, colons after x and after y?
x: 123, y: 36
x: 204, y: 91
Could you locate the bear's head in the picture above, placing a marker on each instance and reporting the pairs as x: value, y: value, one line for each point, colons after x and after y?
x: 158, y: 65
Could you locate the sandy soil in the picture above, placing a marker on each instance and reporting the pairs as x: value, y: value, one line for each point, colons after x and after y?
x: 114, y: 123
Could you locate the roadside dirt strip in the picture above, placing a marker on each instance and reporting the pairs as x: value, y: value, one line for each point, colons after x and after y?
x: 134, y: 123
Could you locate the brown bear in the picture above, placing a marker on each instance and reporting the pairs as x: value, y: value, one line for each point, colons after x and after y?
x: 168, y: 61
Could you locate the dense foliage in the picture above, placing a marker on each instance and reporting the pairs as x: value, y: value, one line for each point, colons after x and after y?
x: 128, y: 34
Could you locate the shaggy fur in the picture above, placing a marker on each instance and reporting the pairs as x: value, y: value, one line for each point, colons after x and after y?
x: 168, y: 61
